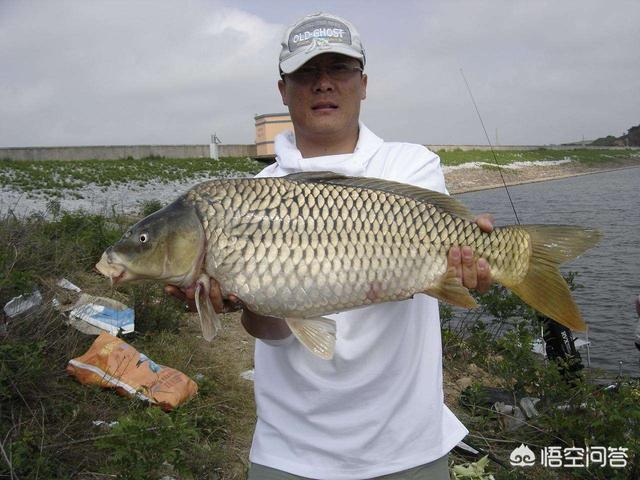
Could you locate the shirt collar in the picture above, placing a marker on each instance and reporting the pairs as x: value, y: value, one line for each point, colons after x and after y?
x: 290, y: 159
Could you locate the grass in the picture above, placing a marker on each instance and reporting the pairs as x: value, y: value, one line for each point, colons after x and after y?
x: 46, y: 428
x: 497, y: 353
x: 54, y: 176
x: 587, y: 156
x: 59, y: 178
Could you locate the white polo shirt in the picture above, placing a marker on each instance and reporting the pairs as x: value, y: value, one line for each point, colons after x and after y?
x: 377, y: 407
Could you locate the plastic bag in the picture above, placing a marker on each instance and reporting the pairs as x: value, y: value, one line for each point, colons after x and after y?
x: 112, y: 363
x: 101, y: 314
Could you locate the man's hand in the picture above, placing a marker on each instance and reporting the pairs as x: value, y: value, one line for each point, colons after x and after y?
x: 220, y: 304
x: 258, y: 326
x: 474, y: 275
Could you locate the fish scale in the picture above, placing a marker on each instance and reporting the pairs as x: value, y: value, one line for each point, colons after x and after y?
x: 326, y: 265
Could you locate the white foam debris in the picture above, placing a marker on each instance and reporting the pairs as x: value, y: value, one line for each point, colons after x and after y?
x: 510, y: 166
x: 126, y: 197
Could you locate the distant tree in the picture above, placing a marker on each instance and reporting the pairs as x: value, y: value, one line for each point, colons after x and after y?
x: 633, y: 136
x: 631, y: 139
x: 608, y: 141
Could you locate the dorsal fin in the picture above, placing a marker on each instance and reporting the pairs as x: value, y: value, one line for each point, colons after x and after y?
x: 422, y: 195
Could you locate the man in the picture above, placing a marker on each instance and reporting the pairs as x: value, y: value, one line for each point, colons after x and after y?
x: 377, y: 407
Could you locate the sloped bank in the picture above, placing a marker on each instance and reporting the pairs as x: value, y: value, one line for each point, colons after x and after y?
x: 473, y: 176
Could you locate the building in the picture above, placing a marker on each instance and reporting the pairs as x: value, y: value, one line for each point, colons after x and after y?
x: 268, y: 125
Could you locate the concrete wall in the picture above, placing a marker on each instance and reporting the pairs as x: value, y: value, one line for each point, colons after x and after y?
x: 238, y: 150
x: 114, y: 152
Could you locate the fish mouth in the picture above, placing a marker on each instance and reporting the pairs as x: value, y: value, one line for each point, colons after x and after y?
x: 116, y: 272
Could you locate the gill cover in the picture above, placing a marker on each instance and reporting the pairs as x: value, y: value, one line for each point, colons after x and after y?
x: 168, y: 245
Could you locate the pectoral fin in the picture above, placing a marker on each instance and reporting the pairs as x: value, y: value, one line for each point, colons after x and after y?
x: 209, y: 320
x: 451, y: 290
x: 317, y: 334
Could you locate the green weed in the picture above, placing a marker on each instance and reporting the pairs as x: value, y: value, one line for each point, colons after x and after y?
x: 46, y: 418
x: 576, y: 413
x: 150, y: 206
x: 148, y: 443
x: 52, y: 176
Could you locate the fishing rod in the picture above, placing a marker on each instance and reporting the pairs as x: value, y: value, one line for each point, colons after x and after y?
x: 569, y: 347
x: 495, y: 158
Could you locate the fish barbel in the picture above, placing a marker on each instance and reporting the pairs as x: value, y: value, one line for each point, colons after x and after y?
x: 314, y: 243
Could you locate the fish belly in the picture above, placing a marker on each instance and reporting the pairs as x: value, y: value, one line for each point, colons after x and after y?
x: 303, y: 250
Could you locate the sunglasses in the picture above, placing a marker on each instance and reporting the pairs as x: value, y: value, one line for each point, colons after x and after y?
x: 335, y: 71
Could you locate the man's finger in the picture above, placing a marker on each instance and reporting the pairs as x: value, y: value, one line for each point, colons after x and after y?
x: 215, y: 294
x: 190, y: 292
x: 174, y: 292
x: 484, y: 276
x: 454, y: 261
x: 485, y: 222
x: 469, y: 271
x: 179, y: 293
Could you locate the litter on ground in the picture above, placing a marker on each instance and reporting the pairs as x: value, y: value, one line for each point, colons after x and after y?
x: 112, y: 363
x: 93, y: 315
x: 510, y: 417
x: 23, y: 304
x: 67, y: 285
x: 102, y: 423
x: 247, y: 375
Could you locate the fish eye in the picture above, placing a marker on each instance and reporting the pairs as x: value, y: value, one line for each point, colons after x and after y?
x: 144, y: 237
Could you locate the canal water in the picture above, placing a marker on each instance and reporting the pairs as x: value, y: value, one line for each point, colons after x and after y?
x: 610, y: 272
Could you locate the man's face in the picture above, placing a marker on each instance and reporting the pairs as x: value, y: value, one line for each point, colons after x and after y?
x: 325, y: 101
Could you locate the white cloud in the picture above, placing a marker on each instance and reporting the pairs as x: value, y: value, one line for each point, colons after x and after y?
x: 102, y: 72
x: 541, y: 72
x: 138, y: 72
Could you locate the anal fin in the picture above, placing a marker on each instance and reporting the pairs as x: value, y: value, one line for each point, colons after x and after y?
x: 209, y: 320
x: 451, y: 290
x: 317, y: 334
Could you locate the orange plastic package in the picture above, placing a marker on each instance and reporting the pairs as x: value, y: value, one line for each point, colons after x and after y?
x: 112, y: 363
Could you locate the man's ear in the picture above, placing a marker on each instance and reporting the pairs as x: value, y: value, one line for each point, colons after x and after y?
x: 283, y: 91
x: 364, y: 86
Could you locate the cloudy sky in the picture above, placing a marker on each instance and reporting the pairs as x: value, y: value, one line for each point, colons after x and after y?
x: 91, y: 72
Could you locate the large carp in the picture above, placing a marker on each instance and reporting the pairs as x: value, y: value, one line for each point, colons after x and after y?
x: 314, y: 243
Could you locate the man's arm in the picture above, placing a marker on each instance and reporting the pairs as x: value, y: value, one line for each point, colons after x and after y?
x: 263, y: 327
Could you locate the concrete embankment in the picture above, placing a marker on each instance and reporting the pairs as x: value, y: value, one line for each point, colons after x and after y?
x: 114, y: 152
x: 461, y: 180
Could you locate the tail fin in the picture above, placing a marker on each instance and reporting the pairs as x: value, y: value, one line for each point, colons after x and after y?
x: 543, y: 287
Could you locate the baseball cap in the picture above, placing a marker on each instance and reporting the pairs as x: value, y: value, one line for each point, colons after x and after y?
x: 316, y: 34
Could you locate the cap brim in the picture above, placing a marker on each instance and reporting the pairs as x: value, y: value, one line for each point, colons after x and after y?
x: 298, y: 59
